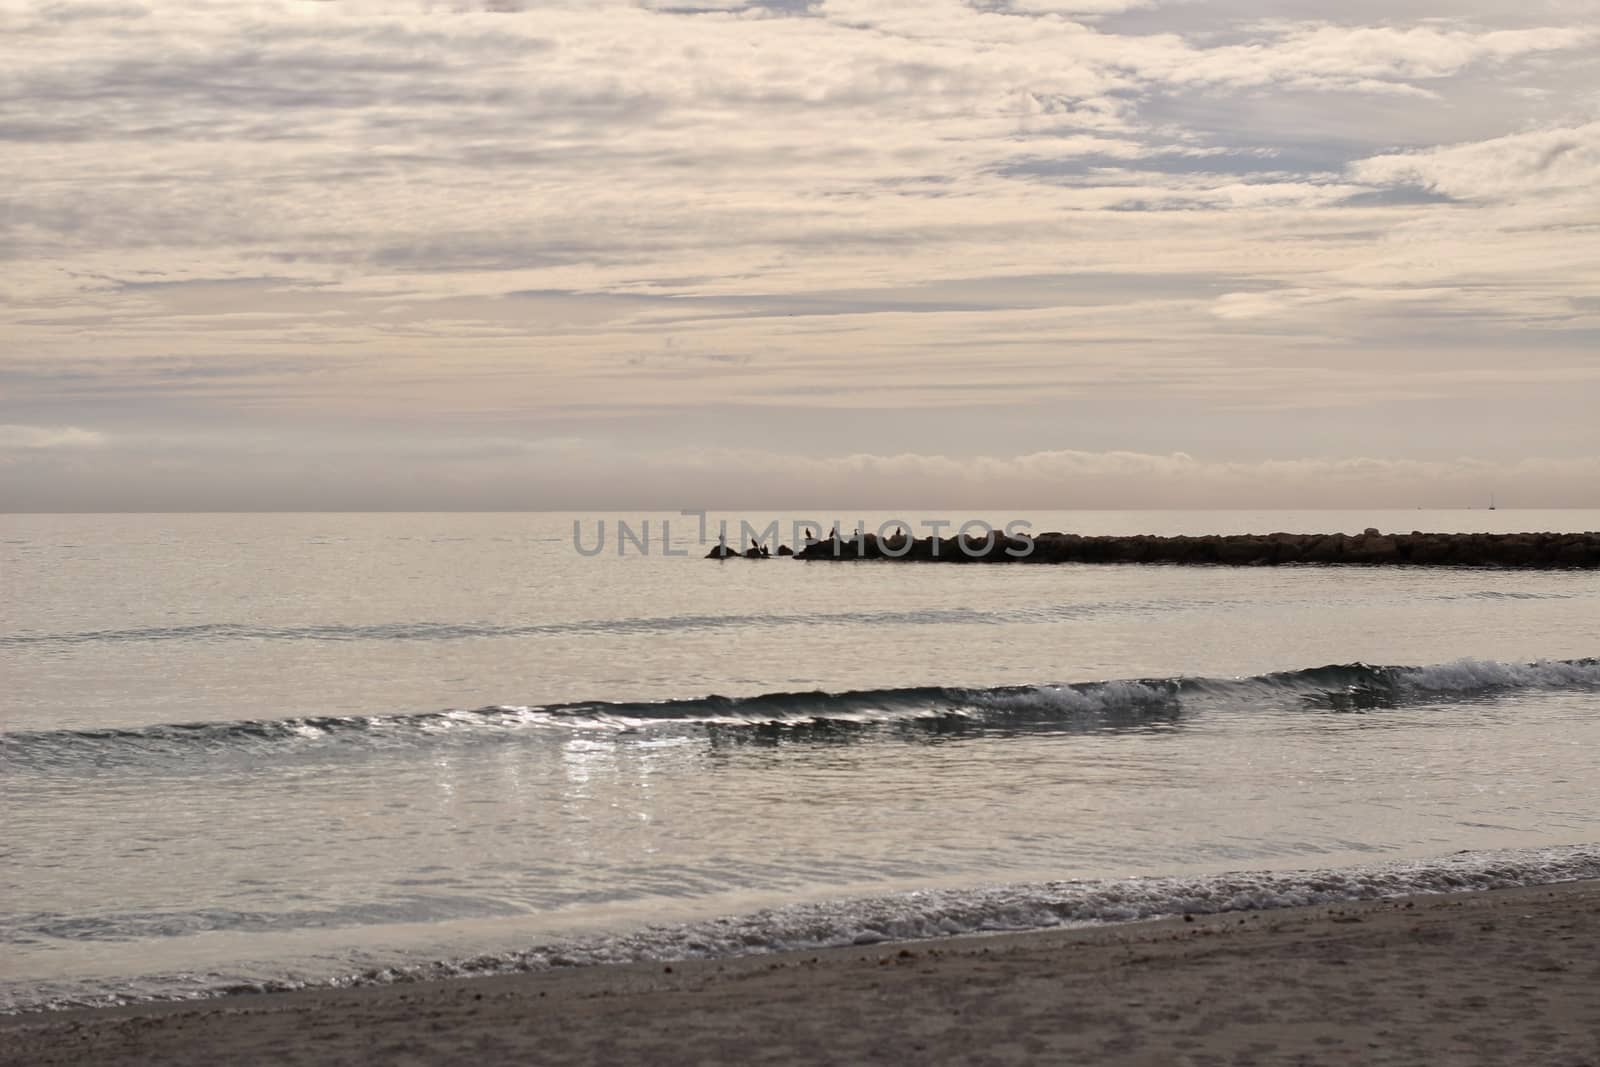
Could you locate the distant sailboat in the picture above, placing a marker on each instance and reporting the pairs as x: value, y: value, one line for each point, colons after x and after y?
x: 1491, y: 501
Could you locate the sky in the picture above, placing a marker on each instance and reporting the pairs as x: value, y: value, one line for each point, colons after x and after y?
x: 782, y: 253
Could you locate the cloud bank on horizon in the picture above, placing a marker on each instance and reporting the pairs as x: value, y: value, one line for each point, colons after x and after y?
x: 772, y: 253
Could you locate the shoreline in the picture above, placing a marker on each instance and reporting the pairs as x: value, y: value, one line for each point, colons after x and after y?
x: 1495, y: 976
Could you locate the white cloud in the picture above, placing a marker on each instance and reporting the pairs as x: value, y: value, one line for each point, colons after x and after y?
x: 48, y: 437
x: 1516, y: 166
x: 589, y: 214
x: 323, y: 472
x: 1075, y: 7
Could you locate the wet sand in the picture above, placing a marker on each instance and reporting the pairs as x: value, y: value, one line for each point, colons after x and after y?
x: 1506, y: 977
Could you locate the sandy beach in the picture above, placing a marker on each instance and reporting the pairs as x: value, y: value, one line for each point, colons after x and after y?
x: 1499, y: 977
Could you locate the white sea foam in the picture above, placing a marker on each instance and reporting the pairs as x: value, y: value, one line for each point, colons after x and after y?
x: 1474, y: 675
x: 935, y: 913
x: 925, y: 914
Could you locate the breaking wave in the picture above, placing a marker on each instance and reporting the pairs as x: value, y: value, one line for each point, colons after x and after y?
x: 1147, y: 703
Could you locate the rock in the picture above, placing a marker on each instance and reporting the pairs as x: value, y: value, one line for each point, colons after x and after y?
x: 1370, y: 548
x: 1373, y: 550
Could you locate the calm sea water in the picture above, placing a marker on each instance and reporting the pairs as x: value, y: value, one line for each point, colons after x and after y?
x: 252, y: 751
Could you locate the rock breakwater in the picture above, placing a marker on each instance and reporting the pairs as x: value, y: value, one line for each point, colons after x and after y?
x: 1371, y: 548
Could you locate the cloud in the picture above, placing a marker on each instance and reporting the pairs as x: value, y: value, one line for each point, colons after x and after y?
x: 1118, y: 479
x: 594, y: 217
x: 1518, y: 165
x: 1075, y: 7
x: 327, y: 470
x: 32, y: 438
x: 74, y: 12
x: 1381, y: 58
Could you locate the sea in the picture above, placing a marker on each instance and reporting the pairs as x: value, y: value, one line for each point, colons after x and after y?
x: 254, y: 752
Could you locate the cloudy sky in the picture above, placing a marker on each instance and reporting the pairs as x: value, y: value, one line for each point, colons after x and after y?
x: 769, y: 253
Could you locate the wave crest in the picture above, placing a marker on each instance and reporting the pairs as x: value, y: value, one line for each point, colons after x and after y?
x: 1099, y: 706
